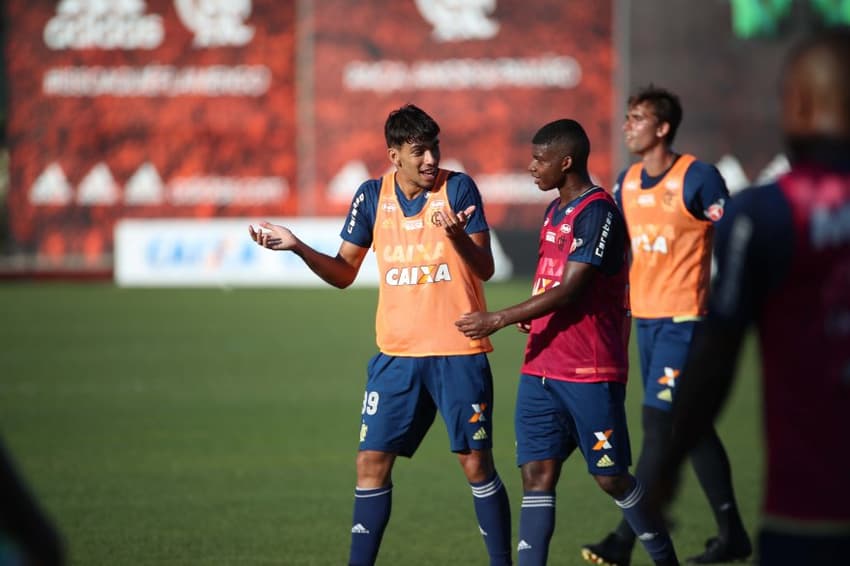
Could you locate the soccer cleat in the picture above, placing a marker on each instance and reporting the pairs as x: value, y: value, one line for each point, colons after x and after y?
x: 612, y: 551
x: 719, y: 551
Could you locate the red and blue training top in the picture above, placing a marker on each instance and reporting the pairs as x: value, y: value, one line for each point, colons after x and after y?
x: 783, y: 255
x: 586, y: 341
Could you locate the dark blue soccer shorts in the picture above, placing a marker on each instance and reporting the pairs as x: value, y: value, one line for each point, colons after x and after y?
x: 663, y: 346
x: 403, y: 395
x: 553, y: 418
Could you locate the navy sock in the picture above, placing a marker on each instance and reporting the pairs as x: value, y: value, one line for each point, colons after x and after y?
x: 371, y: 514
x: 493, y: 510
x: 536, y: 525
x: 657, y: 429
x: 714, y: 473
x: 649, y: 527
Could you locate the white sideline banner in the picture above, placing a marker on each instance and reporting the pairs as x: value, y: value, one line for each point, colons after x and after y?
x: 220, y: 253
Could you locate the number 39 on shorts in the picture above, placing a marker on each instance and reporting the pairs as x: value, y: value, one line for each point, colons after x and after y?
x: 370, y: 403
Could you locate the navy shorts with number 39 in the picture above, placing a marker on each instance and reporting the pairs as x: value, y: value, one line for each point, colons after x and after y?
x: 403, y: 395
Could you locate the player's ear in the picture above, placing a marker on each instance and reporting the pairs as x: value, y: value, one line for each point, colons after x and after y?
x: 663, y: 129
x: 394, y: 157
x: 567, y: 163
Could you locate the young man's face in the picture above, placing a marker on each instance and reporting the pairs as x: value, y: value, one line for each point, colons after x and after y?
x: 417, y: 163
x: 547, y: 166
x: 642, y: 130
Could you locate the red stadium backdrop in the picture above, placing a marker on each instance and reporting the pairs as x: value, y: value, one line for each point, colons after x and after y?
x: 489, y: 71
x: 202, y: 108
x: 137, y: 108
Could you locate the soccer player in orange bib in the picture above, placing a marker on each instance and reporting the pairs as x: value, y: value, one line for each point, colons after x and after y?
x: 428, y: 230
x: 670, y: 202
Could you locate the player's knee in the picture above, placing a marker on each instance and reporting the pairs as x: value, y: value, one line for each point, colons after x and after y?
x: 540, y: 476
x: 477, y: 465
x: 374, y: 468
x: 615, y: 486
x: 657, y: 425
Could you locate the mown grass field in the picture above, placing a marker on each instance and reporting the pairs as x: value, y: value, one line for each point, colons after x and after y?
x: 220, y: 427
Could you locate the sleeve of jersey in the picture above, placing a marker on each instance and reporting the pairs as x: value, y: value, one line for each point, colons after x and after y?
x: 705, y: 192
x: 753, y: 244
x: 463, y: 193
x: 360, y: 221
x: 599, y: 237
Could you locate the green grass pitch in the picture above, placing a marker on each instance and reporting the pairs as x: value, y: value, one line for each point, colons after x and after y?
x: 205, y: 426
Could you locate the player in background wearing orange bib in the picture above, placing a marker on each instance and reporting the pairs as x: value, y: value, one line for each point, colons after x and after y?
x: 670, y: 202
x: 428, y: 230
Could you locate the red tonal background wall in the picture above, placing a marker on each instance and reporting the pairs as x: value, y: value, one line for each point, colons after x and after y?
x: 490, y: 74
x: 165, y: 114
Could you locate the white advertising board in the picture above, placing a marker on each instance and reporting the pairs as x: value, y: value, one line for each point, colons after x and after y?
x: 220, y: 253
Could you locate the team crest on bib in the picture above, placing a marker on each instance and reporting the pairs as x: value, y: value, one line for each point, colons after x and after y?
x: 435, y: 208
x: 668, y: 201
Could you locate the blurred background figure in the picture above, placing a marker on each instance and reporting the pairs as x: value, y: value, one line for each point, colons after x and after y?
x: 27, y: 536
x: 783, y: 253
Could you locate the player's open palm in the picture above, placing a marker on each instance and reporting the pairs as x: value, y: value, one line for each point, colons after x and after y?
x: 273, y: 236
x: 455, y: 224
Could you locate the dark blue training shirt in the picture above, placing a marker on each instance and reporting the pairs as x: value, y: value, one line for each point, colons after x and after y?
x: 753, y: 245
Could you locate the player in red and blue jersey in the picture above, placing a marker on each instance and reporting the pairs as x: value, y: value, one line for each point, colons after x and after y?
x: 573, y: 380
x: 783, y: 254
x: 429, y: 233
x: 670, y: 202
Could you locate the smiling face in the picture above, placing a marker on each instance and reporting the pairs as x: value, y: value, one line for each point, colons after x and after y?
x: 642, y: 130
x: 416, y: 163
x: 549, y: 163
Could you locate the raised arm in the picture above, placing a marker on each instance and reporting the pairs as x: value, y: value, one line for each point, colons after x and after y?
x: 576, y: 279
x: 339, y: 271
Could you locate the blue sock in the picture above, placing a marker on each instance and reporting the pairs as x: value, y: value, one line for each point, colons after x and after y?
x: 536, y: 525
x: 649, y: 527
x: 494, y: 518
x: 371, y: 514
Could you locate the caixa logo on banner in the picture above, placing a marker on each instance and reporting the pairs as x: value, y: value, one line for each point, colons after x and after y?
x: 206, y: 252
x: 124, y: 24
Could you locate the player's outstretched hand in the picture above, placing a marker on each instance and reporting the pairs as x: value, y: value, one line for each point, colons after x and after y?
x: 273, y: 237
x: 455, y: 224
x: 477, y: 325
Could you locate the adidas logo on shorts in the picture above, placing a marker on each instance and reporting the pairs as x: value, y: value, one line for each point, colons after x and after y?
x: 605, y: 462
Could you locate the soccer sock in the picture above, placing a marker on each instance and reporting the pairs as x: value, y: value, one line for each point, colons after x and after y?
x: 536, y: 525
x: 711, y: 465
x: 649, y: 527
x: 657, y: 429
x: 493, y: 510
x: 371, y: 514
